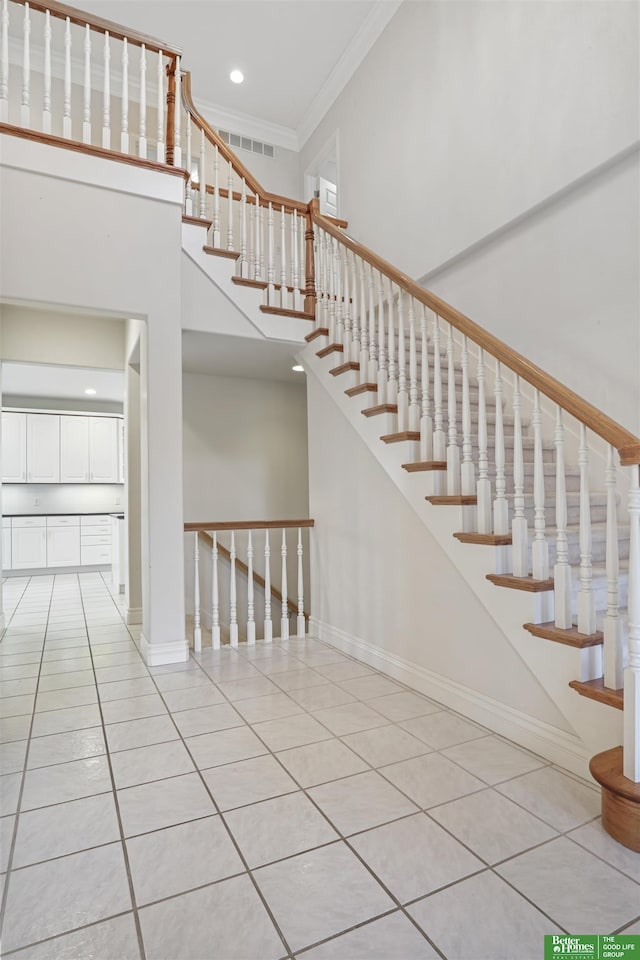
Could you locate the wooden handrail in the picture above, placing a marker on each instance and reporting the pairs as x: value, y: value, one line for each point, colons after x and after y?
x: 246, y: 525
x: 61, y: 11
x: 291, y: 606
x: 625, y: 442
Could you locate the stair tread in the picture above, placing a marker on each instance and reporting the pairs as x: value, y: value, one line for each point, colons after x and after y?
x: 283, y: 312
x: 596, y: 690
x: 344, y: 368
x: 444, y: 500
x: 423, y: 466
x: 362, y: 388
x: 318, y: 332
x: 570, y: 637
x: 487, y: 539
x: 246, y: 282
x: 221, y: 252
x: 197, y: 221
x: 527, y: 584
x: 380, y: 408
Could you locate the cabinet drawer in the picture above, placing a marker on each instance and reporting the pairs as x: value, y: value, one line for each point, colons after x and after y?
x: 102, y: 531
x: 28, y: 522
x: 95, y: 541
x: 97, y: 521
x: 99, y: 553
x: 63, y: 521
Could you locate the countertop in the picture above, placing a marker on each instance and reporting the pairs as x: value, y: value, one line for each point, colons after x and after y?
x: 74, y: 513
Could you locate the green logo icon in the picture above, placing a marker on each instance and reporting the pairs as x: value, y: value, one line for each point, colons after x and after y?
x: 614, y: 947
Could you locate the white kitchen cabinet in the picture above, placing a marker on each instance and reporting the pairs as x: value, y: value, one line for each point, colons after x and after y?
x: 14, y: 447
x: 121, y: 439
x: 63, y: 541
x: 43, y: 448
x: 6, y: 543
x: 74, y: 449
x: 29, y: 544
x: 103, y: 450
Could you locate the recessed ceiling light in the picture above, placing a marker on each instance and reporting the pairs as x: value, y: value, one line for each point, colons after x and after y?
x: 298, y: 368
x: 90, y: 391
x: 236, y: 76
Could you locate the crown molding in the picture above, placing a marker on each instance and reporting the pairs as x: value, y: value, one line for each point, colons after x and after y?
x: 349, y: 61
x: 245, y: 123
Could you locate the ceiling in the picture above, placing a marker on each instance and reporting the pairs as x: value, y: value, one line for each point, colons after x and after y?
x: 296, y: 55
x: 58, y: 382
x: 253, y: 359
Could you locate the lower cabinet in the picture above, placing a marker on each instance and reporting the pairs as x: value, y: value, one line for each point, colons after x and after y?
x: 63, y: 545
x: 6, y: 544
x: 29, y: 545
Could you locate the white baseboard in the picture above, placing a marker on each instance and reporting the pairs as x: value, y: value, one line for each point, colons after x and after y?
x: 134, y: 615
x: 565, y: 749
x: 157, y: 654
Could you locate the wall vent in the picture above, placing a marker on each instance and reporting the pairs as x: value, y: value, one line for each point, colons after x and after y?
x: 238, y: 142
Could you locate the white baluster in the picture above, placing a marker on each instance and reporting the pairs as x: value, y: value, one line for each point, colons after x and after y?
x: 251, y: 623
x: 244, y: 269
x: 382, y: 350
x: 283, y: 260
x: 284, y: 619
x: 426, y: 423
x: 251, y: 240
x: 233, y: 602
x: 160, y: 154
x: 257, y: 274
x: 142, y: 136
x: 561, y: 570
x: 295, y: 267
x: 301, y: 630
x: 86, y: 105
x: 268, y: 626
x: 46, y: 103
x: 197, y: 632
x: 519, y: 526
x: 188, y: 191
x: 337, y: 273
x: 202, y: 176
x: 106, y: 94
x: 346, y: 309
x: 230, y: 209
x: 66, y: 108
x: 631, y: 754
x: 439, y: 436
x: 500, y: 504
x: 25, y: 110
x: 467, y: 470
x: 453, y: 451
x: 414, y: 405
x: 4, y: 64
x: 403, y: 393
x: 483, y: 487
x: 355, y: 312
x: 540, y: 549
x: 261, y: 215
x: 216, y: 196
x: 177, y: 118
x: 364, y: 332
x: 586, y: 598
x: 271, y: 267
x: 613, y: 642
x: 331, y: 289
x: 392, y: 383
x: 124, y: 130
x: 373, y: 348
x: 318, y: 251
x: 215, y: 597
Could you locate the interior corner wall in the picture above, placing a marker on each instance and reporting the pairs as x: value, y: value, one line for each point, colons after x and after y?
x: 464, y: 115
x: 244, y: 449
x: 379, y: 576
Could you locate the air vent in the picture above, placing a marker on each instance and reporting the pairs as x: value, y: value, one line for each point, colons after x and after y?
x: 245, y: 143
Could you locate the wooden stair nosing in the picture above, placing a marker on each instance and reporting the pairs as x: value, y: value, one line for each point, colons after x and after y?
x: 380, y: 408
x: 362, y: 388
x: 197, y: 221
x: 569, y: 637
x: 528, y: 584
x: 596, y: 690
x: 344, y: 368
x: 246, y: 282
x: 283, y: 312
x: 329, y: 349
x: 221, y: 252
x: 399, y: 437
x: 318, y: 332
x: 425, y: 466
x: 486, y: 539
x: 460, y: 499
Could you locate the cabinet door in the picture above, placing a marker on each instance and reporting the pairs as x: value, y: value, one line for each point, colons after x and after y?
x: 74, y: 449
x: 28, y: 547
x: 120, y: 451
x: 43, y: 448
x: 14, y: 447
x: 63, y: 546
x: 103, y: 450
x: 6, y: 548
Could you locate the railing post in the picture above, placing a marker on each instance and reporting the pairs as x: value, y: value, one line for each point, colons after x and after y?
x: 4, y: 63
x: 284, y: 614
x: 197, y: 632
x: 171, y: 112
x: 300, y: 619
x: 310, y: 263
x: 215, y: 597
x: 251, y: 623
x: 631, y: 754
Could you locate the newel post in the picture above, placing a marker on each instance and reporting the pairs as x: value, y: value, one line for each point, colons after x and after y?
x: 310, y: 263
x: 171, y: 112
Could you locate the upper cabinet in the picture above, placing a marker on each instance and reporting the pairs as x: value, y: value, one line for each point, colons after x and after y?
x: 47, y: 448
x: 14, y: 447
x: 43, y: 448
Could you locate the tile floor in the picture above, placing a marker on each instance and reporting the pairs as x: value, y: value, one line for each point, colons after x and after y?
x: 274, y: 801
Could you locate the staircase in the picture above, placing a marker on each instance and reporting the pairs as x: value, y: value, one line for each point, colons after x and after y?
x: 512, y: 473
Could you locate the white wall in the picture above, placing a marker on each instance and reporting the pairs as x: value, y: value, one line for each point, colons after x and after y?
x: 244, y: 449
x: 466, y: 114
x: 378, y: 575
x: 34, y: 335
